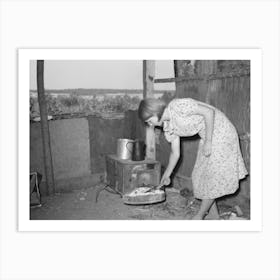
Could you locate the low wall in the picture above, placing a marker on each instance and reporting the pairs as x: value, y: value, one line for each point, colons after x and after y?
x: 69, y: 145
x: 79, y: 146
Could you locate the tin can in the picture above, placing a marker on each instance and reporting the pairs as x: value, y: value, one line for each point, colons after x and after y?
x: 125, y: 148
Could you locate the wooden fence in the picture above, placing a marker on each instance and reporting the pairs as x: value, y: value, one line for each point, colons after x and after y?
x: 227, y: 91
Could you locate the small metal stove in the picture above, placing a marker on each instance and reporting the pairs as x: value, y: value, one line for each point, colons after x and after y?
x: 124, y: 175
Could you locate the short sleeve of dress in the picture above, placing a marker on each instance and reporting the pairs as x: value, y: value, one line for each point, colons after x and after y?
x: 170, y: 137
x: 169, y: 131
x: 183, y: 107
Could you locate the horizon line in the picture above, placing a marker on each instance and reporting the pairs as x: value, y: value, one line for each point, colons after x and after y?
x: 101, y: 89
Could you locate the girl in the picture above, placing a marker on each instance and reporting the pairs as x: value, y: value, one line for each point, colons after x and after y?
x: 219, y: 164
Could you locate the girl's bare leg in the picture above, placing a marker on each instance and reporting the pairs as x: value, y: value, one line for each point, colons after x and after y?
x: 213, y: 213
x: 204, y: 207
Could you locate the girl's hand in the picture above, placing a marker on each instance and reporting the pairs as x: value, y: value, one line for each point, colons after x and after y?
x: 165, y: 181
x: 207, y: 149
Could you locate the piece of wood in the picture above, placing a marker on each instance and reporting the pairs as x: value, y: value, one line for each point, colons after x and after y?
x: 150, y: 143
x: 177, y: 79
x: 148, y: 77
x: 45, y: 129
x: 210, y: 77
x: 148, y: 88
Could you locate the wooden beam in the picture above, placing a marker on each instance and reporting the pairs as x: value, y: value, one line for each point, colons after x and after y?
x: 148, y: 92
x: 45, y: 128
x: 210, y: 77
x: 165, y: 80
x: 177, y: 79
x: 148, y: 77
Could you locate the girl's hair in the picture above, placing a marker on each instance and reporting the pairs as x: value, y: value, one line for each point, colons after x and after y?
x: 151, y: 107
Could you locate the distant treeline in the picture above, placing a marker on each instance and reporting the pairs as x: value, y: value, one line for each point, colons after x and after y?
x: 83, y: 91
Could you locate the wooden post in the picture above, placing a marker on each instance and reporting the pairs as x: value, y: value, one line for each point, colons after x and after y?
x: 148, y: 88
x: 45, y: 128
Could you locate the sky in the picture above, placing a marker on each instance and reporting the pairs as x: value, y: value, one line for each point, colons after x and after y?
x: 113, y: 74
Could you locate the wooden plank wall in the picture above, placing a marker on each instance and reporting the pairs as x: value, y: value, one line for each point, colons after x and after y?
x: 229, y: 92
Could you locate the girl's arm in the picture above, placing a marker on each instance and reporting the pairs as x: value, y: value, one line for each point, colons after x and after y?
x: 209, y: 114
x: 173, y: 159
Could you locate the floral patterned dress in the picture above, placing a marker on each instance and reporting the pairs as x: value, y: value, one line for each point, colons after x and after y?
x: 218, y: 174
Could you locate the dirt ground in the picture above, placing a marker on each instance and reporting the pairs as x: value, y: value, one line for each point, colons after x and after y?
x: 82, y: 205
